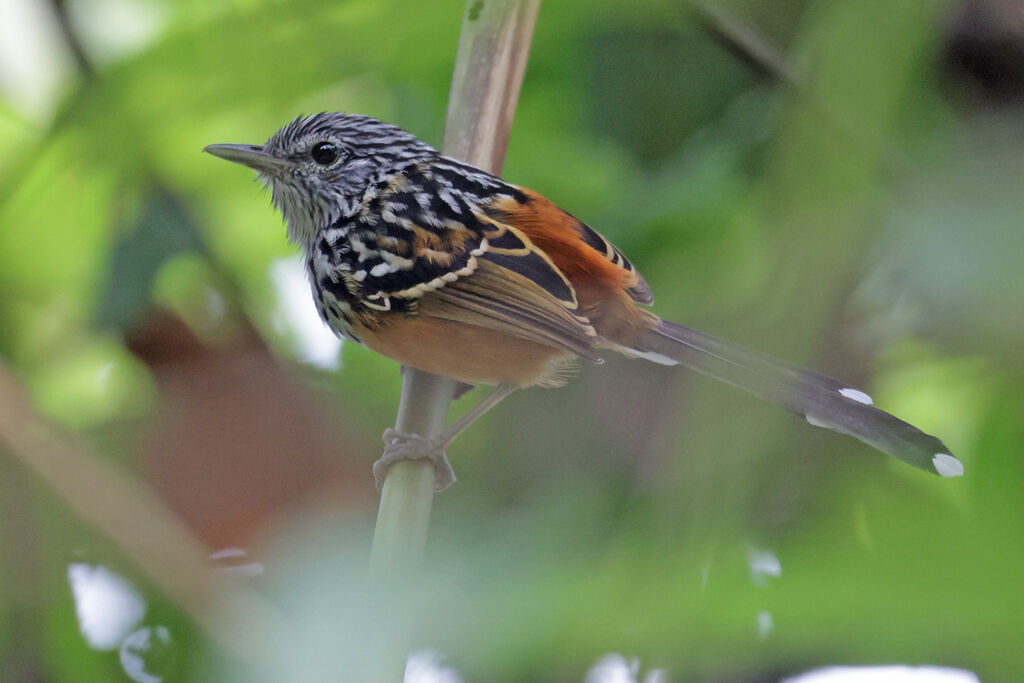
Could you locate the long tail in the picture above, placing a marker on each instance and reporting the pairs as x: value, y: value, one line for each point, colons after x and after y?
x: 823, y: 401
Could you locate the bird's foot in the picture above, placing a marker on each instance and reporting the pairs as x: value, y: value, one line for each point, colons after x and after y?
x: 402, y: 446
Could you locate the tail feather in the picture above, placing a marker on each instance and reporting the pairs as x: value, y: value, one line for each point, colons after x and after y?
x: 823, y: 401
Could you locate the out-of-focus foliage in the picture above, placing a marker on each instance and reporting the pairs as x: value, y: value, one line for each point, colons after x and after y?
x: 864, y: 219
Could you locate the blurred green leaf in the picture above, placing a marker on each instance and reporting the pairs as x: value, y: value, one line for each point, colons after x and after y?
x: 162, y: 231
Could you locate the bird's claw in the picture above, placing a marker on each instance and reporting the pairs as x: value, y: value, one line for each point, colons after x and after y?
x: 401, y: 446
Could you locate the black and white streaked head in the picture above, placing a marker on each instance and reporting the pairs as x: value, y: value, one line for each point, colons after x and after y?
x: 319, y: 167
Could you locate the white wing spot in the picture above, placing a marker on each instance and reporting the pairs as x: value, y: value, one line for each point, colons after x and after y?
x: 362, y: 250
x: 398, y: 262
x: 947, y: 466
x: 468, y: 269
x: 481, y: 249
x: 411, y: 293
x: 386, y: 306
x: 857, y: 395
x: 380, y: 270
x: 448, y: 199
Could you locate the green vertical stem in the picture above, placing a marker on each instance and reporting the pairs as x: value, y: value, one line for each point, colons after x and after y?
x: 493, y: 51
x: 408, y: 492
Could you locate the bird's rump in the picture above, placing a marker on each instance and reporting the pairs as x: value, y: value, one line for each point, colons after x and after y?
x: 582, y: 253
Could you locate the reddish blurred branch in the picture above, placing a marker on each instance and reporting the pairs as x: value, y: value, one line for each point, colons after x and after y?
x: 125, y: 510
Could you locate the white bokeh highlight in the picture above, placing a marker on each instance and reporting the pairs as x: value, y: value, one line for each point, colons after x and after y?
x: 236, y: 562
x: 34, y: 62
x: 885, y: 674
x: 763, y: 564
x: 107, y: 605
x: 427, y: 666
x: 765, y: 623
x: 113, y: 29
x: 617, y: 668
x: 295, y: 315
x: 137, y: 647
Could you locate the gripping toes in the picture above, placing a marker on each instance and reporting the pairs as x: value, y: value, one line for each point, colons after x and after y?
x: 401, y: 446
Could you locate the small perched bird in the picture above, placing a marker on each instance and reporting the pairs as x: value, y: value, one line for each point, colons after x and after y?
x: 450, y: 269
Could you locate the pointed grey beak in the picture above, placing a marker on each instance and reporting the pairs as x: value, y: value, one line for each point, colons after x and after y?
x: 252, y: 156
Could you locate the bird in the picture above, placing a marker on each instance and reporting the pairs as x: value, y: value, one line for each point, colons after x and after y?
x: 450, y: 269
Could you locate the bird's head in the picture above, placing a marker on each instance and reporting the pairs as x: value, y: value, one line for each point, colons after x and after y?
x: 319, y: 167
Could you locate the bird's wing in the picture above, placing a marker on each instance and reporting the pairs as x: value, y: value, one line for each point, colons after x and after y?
x: 435, y: 253
x: 549, y: 226
x: 503, y: 299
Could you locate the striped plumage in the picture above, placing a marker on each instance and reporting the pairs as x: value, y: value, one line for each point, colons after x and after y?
x: 449, y: 269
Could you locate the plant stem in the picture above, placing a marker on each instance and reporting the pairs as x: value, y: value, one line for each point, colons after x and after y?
x: 493, y: 50
x: 408, y: 492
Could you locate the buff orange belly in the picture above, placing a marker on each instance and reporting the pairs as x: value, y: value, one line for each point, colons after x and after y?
x: 469, y: 353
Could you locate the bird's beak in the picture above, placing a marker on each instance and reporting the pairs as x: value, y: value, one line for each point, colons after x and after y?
x: 252, y: 156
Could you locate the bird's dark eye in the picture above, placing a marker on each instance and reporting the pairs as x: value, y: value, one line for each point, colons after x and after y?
x: 325, y: 153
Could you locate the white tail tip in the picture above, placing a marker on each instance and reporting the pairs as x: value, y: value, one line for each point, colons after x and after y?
x: 856, y: 395
x: 948, y: 466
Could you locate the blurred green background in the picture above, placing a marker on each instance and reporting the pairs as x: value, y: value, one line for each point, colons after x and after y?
x: 836, y: 182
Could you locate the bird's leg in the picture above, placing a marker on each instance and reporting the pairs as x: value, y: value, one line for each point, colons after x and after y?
x: 402, y: 446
